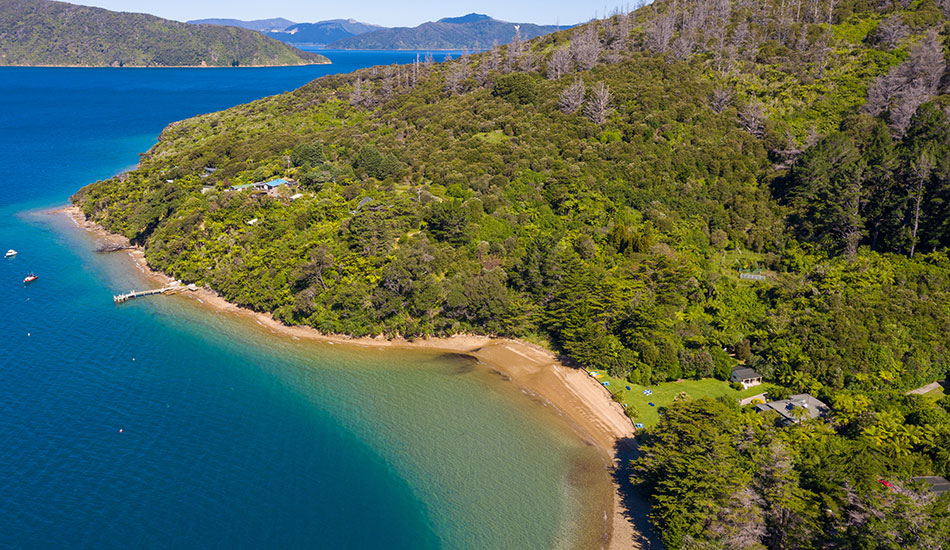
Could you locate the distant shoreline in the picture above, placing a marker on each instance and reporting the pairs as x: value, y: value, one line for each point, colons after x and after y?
x: 580, y: 400
x: 327, y: 62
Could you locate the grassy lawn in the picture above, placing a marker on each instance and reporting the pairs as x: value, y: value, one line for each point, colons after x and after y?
x: 663, y: 394
x: 494, y: 137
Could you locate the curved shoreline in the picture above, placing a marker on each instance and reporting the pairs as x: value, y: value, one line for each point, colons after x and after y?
x: 580, y: 400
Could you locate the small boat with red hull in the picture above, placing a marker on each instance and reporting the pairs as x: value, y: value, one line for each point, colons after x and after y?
x: 30, y: 278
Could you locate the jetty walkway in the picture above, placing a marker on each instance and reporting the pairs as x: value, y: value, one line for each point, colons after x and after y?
x: 171, y: 289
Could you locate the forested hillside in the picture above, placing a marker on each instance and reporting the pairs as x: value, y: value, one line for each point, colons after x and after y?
x: 40, y: 32
x: 469, y: 32
x: 322, y: 32
x: 259, y: 25
x: 662, y: 195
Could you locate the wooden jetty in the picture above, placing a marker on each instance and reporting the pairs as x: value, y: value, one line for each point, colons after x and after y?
x: 172, y: 289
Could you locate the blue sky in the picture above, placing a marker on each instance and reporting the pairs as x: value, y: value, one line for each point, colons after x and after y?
x: 381, y: 12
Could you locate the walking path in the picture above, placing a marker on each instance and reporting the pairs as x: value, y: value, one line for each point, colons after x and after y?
x: 928, y: 388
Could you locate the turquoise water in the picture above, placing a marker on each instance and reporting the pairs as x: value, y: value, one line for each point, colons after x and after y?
x: 161, y: 424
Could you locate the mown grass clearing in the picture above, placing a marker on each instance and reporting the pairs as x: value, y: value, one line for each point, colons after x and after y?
x: 663, y: 395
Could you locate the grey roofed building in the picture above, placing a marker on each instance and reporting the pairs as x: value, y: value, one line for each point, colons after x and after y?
x: 746, y: 376
x: 786, y: 408
x: 261, y: 185
x: 939, y: 485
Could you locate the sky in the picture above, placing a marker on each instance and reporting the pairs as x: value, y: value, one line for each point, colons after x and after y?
x: 380, y: 12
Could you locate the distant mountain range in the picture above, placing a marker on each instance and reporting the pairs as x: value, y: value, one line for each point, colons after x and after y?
x: 41, y: 32
x: 470, y: 31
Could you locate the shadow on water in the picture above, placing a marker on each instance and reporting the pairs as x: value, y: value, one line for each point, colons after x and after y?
x: 633, y: 502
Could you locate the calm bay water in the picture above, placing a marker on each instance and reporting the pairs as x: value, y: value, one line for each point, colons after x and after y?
x: 231, y: 437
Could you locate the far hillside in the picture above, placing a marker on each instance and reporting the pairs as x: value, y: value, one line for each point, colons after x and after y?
x: 259, y: 25
x: 322, y: 32
x: 40, y: 32
x: 473, y: 31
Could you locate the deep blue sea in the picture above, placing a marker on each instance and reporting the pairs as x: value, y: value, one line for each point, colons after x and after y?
x: 162, y: 424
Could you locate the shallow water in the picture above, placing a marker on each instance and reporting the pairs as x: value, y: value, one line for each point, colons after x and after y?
x: 162, y: 424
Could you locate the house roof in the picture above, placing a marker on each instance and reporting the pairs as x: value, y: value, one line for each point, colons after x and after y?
x: 813, y: 407
x: 745, y: 372
x: 939, y: 485
x: 242, y: 186
x: 275, y: 182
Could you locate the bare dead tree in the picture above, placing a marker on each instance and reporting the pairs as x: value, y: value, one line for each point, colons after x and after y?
x: 481, y: 74
x: 720, y: 12
x: 414, y: 75
x: 494, y: 57
x: 599, y: 108
x: 826, y: 40
x: 585, y: 48
x: 752, y: 118
x: 622, y: 36
x: 928, y: 59
x: 386, y: 86
x: 681, y: 47
x: 891, y: 31
x: 902, y: 90
x: 572, y: 97
x: 740, y: 522
x: 814, y: 10
x: 360, y: 97
x: 659, y: 33
x: 903, y: 106
x: 920, y: 169
x: 720, y: 98
x: 455, y: 75
x: 514, y: 51
x: 529, y: 62
x: 559, y: 63
x: 882, y: 90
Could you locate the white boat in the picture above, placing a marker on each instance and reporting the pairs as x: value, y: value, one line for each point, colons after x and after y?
x: 10, y: 253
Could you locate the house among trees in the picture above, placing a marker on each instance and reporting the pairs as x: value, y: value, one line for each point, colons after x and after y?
x: 746, y: 376
x: 938, y: 485
x: 261, y: 185
x: 796, y: 408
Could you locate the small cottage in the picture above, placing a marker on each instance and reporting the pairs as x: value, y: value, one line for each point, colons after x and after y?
x: 746, y: 376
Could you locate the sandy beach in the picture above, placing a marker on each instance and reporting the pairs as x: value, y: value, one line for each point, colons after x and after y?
x: 580, y: 400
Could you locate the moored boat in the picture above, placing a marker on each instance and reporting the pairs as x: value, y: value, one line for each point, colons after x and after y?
x: 10, y: 253
x: 30, y: 278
